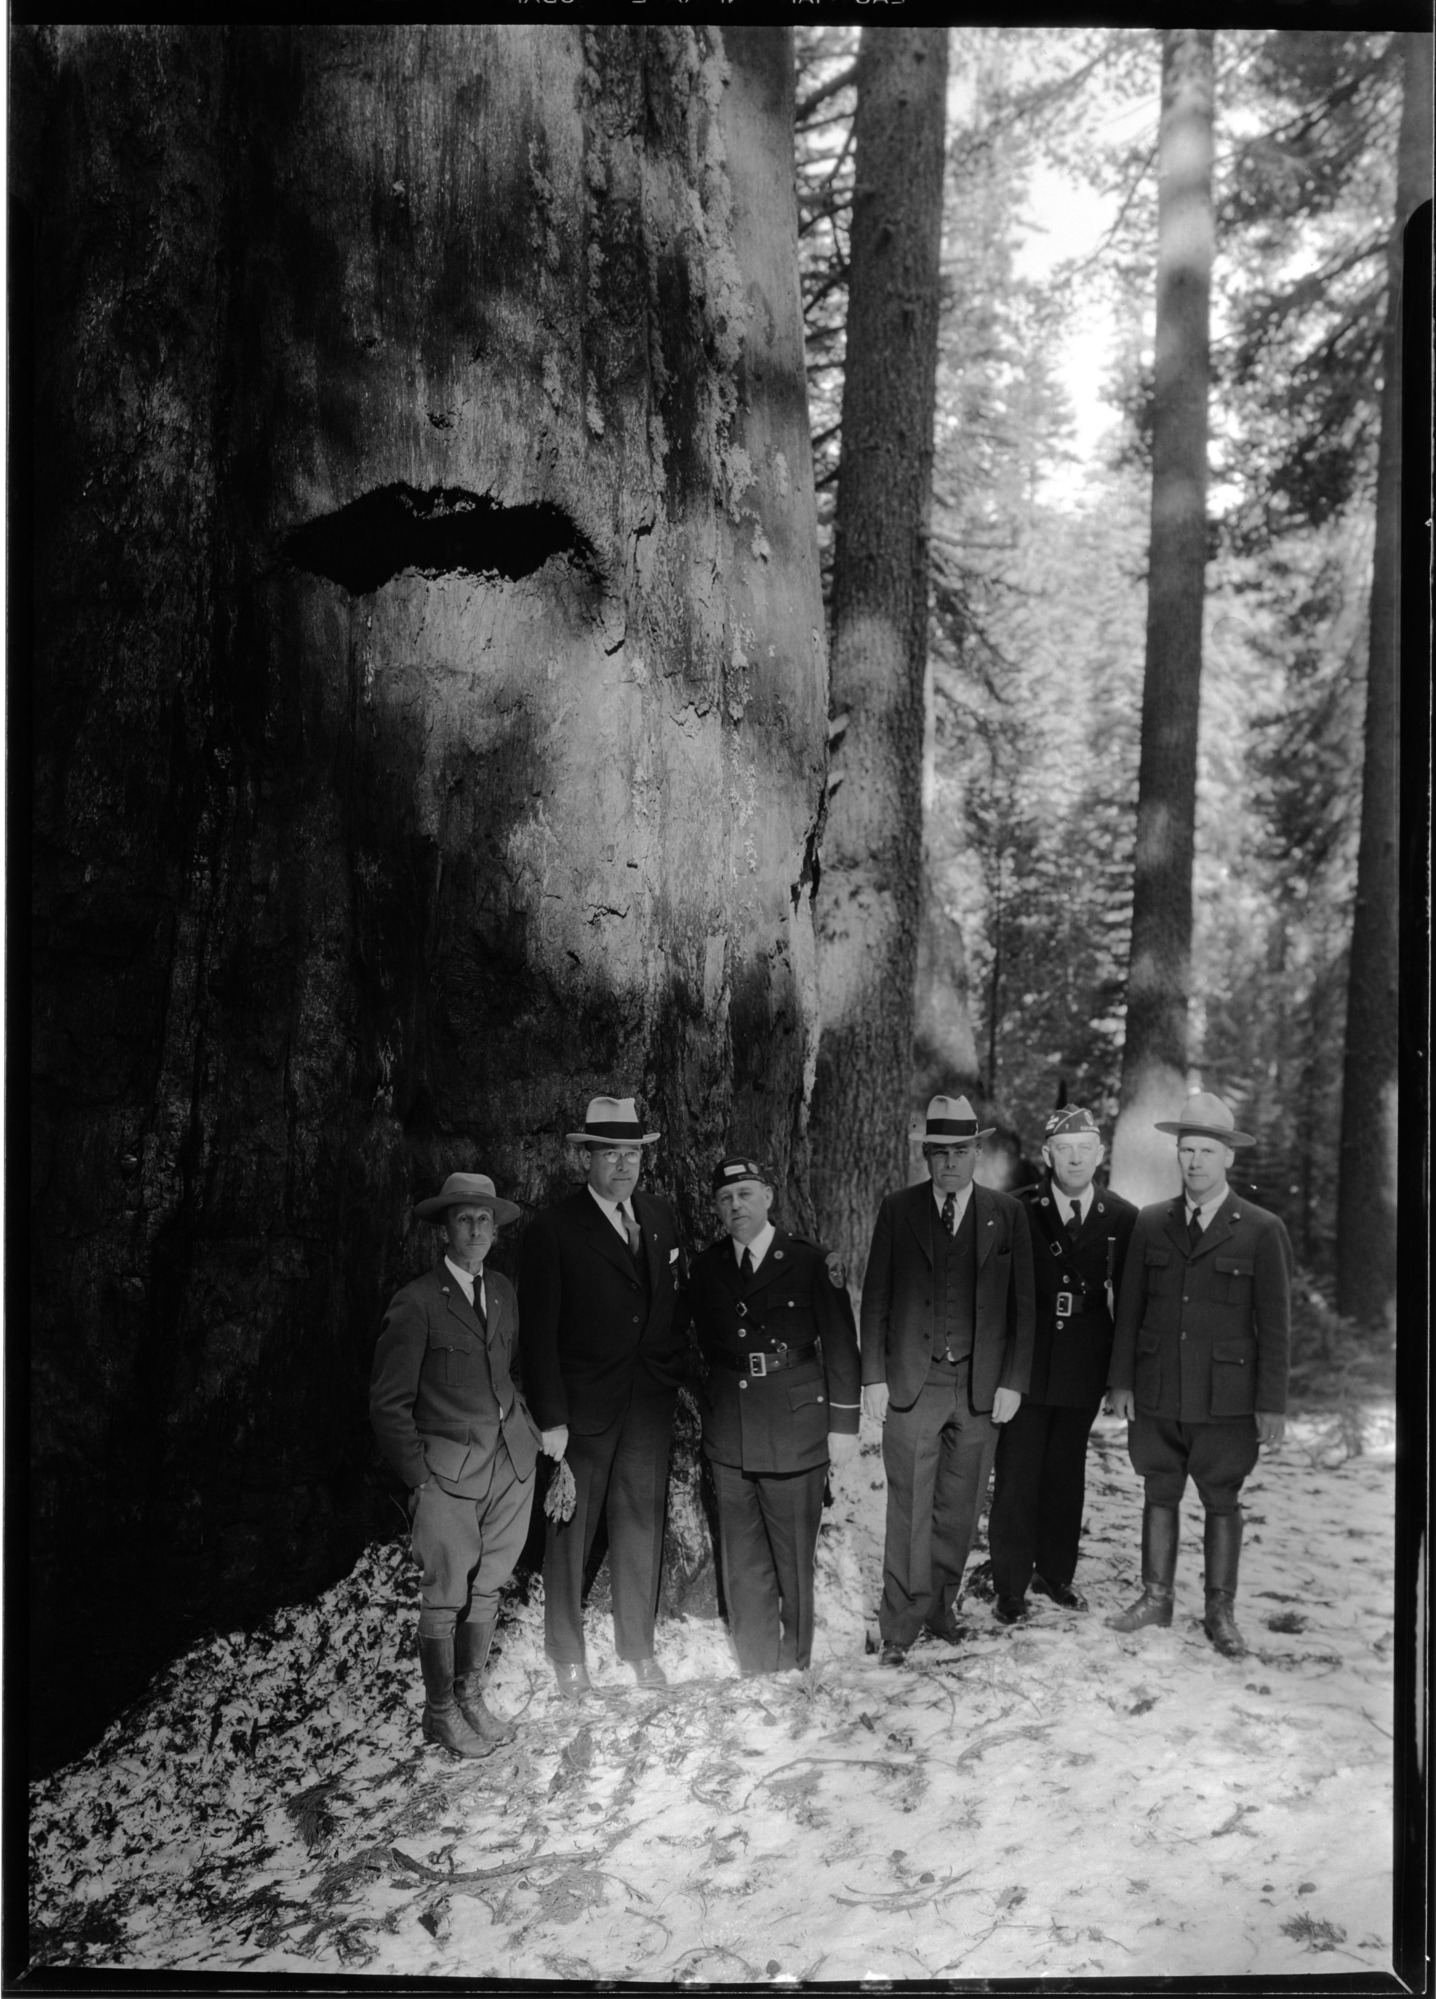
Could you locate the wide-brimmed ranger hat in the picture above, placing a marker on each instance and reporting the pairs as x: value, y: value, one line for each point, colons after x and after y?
x: 1072, y: 1121
x: 1206, y: 1116
x: 952, y: 1117
x: 612, y: 1121
x: 739, y: 1166
x: 466, y: 1190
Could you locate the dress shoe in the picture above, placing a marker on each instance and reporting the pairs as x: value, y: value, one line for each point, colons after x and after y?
x: 893, y: 1655
x: 649, y: 1673
x: 1010, y: 1609
x: 572, y: 1678
x: 950, y: 1633
x: 1059, y: 1593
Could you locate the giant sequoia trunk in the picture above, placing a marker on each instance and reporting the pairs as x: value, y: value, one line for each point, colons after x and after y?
x: 429, y: 724
x: 1154, y: 1056
x: 868, y: 904
x: 1366, y: 1189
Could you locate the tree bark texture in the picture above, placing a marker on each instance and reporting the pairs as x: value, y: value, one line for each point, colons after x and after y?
x: 868, y: 900
x: 1366, y: 1187
x: 429, y: 718
x: 1155, y: 1052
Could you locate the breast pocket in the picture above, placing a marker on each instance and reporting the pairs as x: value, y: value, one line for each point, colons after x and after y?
x: 1161, y: 1274
x: 1237, y: 1272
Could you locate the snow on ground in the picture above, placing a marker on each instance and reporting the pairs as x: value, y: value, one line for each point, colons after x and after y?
x: 1046, y: 1801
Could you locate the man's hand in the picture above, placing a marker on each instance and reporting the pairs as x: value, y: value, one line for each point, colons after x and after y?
x: 1124, y: 1403
x: 1270, y: 1428
x: 553, y: 1443
x: 875, y: 1400
x: 414, y: 1491
x: 1005, y: 1404
x: 842, y: 1444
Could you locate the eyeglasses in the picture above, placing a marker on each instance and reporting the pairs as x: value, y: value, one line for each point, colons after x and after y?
x: 615, y: 1155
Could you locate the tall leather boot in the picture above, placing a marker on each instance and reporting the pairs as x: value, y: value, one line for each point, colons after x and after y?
x: 1222, y: 1546
x: 472, y: 1640
x: 1159, y: 1569
x: 444, y: 1720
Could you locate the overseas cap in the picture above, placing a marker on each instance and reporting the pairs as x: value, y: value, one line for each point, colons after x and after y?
x: 739, y: 1166
x: 1069, y: 1122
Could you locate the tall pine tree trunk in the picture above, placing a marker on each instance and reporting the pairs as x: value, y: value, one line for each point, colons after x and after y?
x: 1366, y: 1190
x: 868, y: 901
x: 1155, y: 1054
x: 430, y: 725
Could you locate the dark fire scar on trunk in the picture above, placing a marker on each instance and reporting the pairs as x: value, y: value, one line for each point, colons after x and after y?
x: 444, y: 531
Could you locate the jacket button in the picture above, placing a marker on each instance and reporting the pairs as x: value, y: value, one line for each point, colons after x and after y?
x: 742, y: 1384
x: 635, y: 1318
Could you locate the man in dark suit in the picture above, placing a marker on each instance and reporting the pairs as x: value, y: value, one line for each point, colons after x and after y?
x: 947, y: 1323
x: 776, y: 1329
x: 1080, y: 1234
x: 599, y: 1278
x: 1199, y: 1362
x: 445, y: 1404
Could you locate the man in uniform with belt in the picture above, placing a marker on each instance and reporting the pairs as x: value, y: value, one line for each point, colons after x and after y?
x: 776, y: 1329
x: 446, y: 1409
x: 1080, y: 1234
x: 1199, y: 1362
x: 947, y: 1319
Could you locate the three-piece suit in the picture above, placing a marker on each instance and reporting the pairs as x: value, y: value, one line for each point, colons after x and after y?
x: 603, y: 1354
x: 1036, y: 1518
x: 783, y: 1370
x: 446, y: 1408
x: 928, y: 1296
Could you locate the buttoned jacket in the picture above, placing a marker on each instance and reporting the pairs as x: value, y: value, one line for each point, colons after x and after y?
x: 897, y: 1308
x: 444, y: 1387
x: 590, y: 1324
x: 1204, y: 1335
x: 1072, y: 1347
x: 774, y: 1422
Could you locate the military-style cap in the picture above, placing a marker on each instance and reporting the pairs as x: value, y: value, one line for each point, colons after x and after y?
x: 739, y: 1166
x: 1206, y: 1116
x: 952, y: 1117
x: 1070, y: 1122
x: 466, y: 1190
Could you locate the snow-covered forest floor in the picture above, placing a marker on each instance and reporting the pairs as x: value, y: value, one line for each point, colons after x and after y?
x: 1048, y: 1800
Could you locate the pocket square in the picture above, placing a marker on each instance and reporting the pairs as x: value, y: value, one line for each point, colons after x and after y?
x: 673, y: 1256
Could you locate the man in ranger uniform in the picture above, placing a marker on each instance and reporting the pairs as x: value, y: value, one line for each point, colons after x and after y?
x: 776, y: 1330
x: 1199, y: 1361
x: 1080, y: 1234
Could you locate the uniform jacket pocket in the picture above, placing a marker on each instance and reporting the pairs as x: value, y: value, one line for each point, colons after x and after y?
x: 1238, y: 1272
x: 1233, y: 1377
x: 1147, y: 1375
x: 445, y: 1456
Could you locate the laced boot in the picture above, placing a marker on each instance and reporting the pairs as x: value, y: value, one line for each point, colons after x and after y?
x: 1222, y: 1546
x: 444, y: 1720
x: 472, y: 1640
x: 1159, y: 1568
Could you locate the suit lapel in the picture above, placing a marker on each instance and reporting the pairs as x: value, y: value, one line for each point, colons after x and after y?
x: 920, y: 1217
x: 1217, y: 1231
x: 1177, y: 1226
x: 649, y: 1236
x: 984, y: 1215
x: 604, y: 1235
x: 774, y: 1264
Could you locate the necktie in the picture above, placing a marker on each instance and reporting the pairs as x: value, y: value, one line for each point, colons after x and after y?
x: 1194, y: 1228
x: 479, y: 1301
x: 745, y: 1264
x: 633, y: 1232
x: 949, y: 1214
x: 1074, y: 1225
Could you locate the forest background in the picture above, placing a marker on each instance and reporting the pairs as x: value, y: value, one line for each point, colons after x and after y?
x: 354, y: 406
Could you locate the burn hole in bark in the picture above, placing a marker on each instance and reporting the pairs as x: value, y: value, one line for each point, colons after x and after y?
x: 445, y: 531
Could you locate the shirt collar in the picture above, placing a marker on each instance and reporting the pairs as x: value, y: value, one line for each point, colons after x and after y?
x: 962, y: 1199
x: 1063, y: 1201
x: 611, y: 1209
x: 1209, y: 1207
x: 467, y: 1284
x: 758, y: 1248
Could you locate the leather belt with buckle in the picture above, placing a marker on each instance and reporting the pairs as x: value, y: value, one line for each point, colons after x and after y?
x: 1069, y: 1303
x: 758, y: 1364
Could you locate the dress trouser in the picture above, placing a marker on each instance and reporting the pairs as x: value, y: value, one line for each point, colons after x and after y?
x: 768, y: 1535
x: 1036, y: 1517
x: 938, y: 1457
x: 1217, y: 1457
x: 467, y: 1548
x: 621, y: 1474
